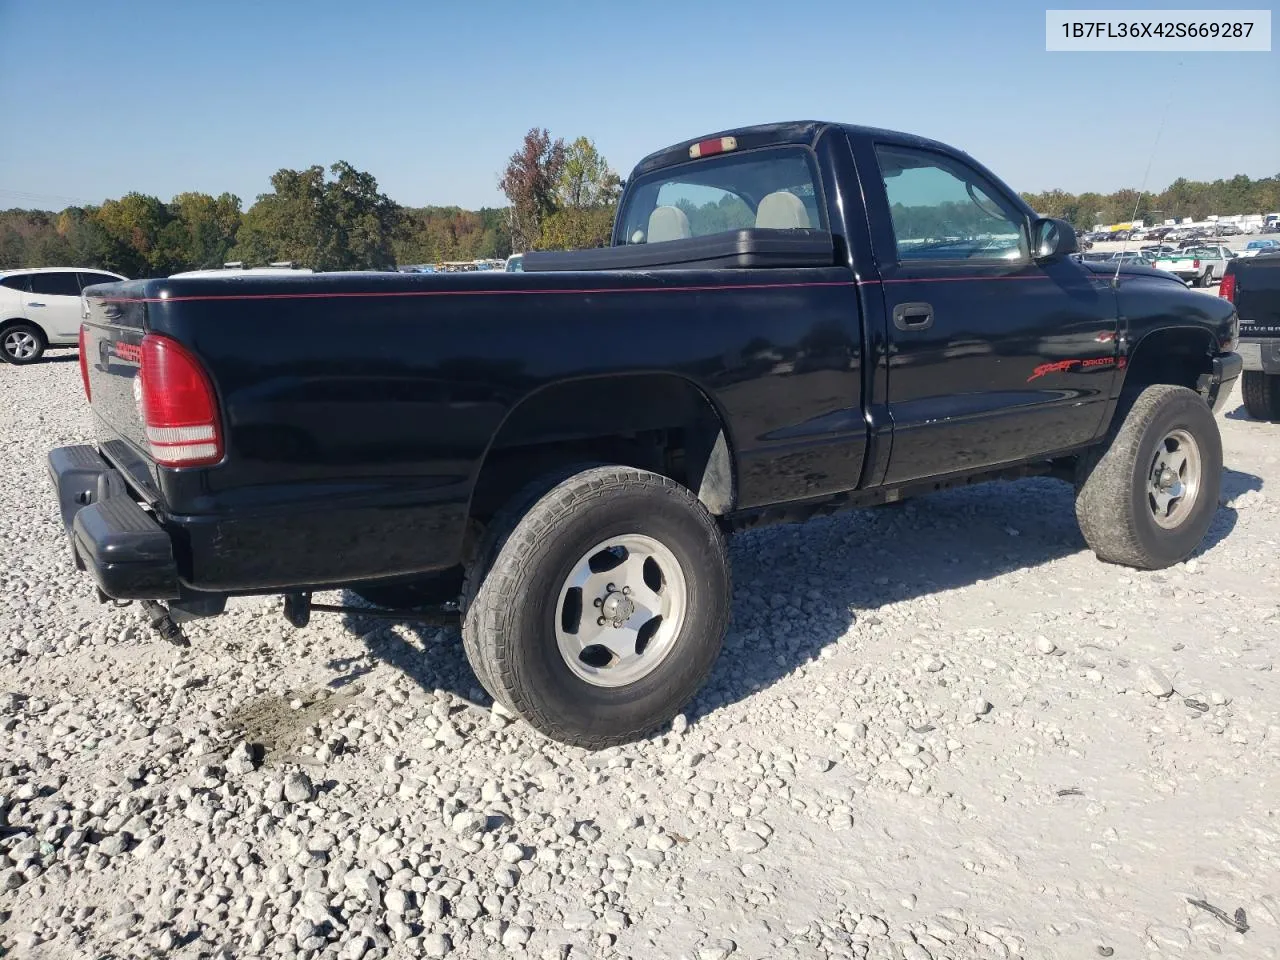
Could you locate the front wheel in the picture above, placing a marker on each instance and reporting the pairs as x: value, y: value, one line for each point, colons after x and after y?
x: 1146, y: 498
x: 604, y: 608
x: 22, y: 343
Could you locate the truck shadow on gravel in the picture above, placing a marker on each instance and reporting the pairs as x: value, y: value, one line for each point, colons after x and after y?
x: 798, y: 588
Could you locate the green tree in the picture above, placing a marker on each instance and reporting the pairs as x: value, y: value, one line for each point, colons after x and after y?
x: 203, y: 229
x: 342, y: 223
x: 133, y: 225
x: 586, y: 199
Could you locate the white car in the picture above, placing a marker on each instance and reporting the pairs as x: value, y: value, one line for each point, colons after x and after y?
x: 40, y: 308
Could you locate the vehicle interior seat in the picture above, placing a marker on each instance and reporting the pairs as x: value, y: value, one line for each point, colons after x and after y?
x: 782, y: 210
x: 668, y: 223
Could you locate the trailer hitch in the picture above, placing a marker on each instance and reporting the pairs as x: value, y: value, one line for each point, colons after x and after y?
x: 163, y: 624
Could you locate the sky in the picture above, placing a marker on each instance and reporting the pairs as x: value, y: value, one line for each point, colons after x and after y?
x: 433, y: 97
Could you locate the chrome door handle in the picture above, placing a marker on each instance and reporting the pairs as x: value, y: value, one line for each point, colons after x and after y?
x: 34, y: 303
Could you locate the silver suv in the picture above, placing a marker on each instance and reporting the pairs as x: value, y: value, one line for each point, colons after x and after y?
x: 40, y: 308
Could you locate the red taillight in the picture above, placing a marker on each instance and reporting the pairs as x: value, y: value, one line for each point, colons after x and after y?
x: 179, y: 407
x: 708, y: 148
x: 84, y: 365
x: 1195, y: 264
x: 1228, y: 288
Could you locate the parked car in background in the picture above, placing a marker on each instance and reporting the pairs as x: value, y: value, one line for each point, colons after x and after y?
x: 515, y: 263
x: 1120, y: 256
x: 1154, y: 250
x: 1253, y: 285
x: 1255, y: 247
x: 40, y: 308
x: 1198, y: 266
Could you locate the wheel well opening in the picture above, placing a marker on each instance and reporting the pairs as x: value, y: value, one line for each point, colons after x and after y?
x: 15, y: 321
x: 661, y: 423
x: 1179, y: 357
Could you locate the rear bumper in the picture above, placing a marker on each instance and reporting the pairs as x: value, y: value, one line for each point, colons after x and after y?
x: 121, y: 545
x: 1260, y: 356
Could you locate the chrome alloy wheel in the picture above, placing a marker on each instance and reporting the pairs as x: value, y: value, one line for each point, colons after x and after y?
x: 20, y: 345
x: 1173, y: 482
x: 620, y: 610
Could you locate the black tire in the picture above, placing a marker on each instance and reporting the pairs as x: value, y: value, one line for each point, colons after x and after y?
x: 14, y: 335
x: 1261, y: 394
x: 444, y: 587
x: 1112, y: 499
x: 509, y: 626
x: 494, y: 537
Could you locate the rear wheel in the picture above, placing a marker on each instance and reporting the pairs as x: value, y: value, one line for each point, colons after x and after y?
x: 22, y: 343
x: 1146, y: 498
x: 604, y: 608
x: 1261, y: 394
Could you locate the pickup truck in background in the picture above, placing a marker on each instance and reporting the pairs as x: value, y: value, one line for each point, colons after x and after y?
x: 1256, y: 247
x: 793, y: 319
x: 1198, y: 266
x: 1253, y: 285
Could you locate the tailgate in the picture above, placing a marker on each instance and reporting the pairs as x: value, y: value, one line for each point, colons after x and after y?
x: 1257, y: 296
x: 114, y: 324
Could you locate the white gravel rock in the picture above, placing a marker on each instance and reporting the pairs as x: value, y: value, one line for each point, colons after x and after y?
x: 1154, y: 681
x: 342, y: 790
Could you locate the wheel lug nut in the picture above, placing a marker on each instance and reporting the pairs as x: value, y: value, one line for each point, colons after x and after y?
x: 626, y: 591
x: 600, y: 621
x: 598, y: 601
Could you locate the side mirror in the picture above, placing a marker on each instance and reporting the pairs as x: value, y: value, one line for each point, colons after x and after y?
x: 1052, y: 238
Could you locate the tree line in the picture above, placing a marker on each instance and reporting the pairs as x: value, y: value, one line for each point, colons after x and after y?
x: 1182, y: 198
x: 560, y: 195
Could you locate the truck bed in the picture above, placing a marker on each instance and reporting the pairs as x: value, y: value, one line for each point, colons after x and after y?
x: 373, y: 398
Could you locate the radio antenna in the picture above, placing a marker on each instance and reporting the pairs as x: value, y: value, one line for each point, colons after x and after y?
x: 1115, y: 281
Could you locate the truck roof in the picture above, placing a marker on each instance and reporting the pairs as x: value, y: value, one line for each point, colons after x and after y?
x: 804, y: 132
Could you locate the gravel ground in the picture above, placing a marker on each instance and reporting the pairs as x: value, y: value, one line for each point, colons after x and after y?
x: 937, y: 731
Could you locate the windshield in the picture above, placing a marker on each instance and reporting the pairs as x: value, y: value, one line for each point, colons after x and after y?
x: 769, y: 189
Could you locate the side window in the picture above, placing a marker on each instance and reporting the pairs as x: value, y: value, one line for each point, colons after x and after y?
x: 21, y: 282
x: 60, y: 284
x: 89, y: 279
x: 943, y: 210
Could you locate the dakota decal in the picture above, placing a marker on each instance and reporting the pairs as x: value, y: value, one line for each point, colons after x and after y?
x: 127, y: 351
x: 1063, y: 366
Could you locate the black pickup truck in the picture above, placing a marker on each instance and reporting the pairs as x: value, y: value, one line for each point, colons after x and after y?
x: 792, y: 319
x: 1253, y: 285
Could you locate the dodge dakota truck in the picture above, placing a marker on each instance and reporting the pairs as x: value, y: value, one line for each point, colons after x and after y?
x: 1253, y: 285
x: 792, y: 319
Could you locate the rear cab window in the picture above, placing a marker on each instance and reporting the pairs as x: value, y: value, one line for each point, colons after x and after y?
x: 773, y: 188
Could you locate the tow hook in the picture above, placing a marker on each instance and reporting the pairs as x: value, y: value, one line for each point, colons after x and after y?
x: 163, y: 624
x: 297, y: 609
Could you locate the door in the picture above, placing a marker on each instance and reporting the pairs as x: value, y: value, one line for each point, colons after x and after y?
x: 993, y: 357
x: 54, y: 303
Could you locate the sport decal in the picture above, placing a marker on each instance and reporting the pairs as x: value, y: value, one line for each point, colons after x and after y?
x: 1063, y: 366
